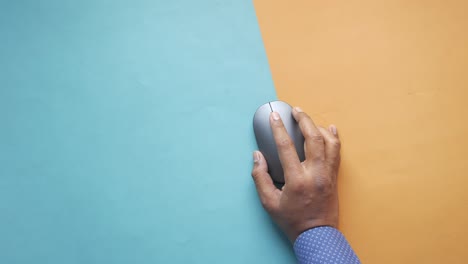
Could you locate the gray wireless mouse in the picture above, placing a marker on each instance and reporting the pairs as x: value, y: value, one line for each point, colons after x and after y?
x: 266, y: 142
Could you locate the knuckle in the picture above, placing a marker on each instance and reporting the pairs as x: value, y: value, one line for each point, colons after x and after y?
x: 254, y: 174
x: 303, y: 116
x: 324, y: 184
x: 278, y: 124
x: 316, y: 137
x: 307, y: 131
x: 336, y: 143
x: 318, y: 157
x: 299, y: 186
x: 285, y: 142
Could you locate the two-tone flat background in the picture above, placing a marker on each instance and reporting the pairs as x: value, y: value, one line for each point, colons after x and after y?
x: 126, y: 126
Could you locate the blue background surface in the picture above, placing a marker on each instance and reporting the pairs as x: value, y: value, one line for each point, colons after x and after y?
x: 126, y: 133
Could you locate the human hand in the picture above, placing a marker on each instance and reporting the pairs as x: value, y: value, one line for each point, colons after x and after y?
x: 309, y: 197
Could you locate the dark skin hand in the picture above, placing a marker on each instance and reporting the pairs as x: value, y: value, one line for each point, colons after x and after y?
x: 309, y: 197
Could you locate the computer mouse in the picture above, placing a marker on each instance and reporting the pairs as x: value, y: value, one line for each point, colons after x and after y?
x: 265, y: 141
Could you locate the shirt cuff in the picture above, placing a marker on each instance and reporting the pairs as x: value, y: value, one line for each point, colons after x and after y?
x: 324, y: 244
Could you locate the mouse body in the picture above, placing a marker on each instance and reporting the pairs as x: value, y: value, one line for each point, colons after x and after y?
x: 266, y: 142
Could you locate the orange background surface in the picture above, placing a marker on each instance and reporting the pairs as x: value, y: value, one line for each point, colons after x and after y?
x: 393, y: 76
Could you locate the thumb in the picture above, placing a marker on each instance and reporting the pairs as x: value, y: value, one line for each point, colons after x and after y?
x: 268, y: 193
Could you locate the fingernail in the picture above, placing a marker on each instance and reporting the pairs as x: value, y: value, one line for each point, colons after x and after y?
x: 298, y: 109
x: 256, y: 156
x: 276, y: 116
x: 333, y: 129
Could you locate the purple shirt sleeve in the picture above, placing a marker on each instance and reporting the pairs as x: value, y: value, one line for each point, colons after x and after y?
x: 324, y: 245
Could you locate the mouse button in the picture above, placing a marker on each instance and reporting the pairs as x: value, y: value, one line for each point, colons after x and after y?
x: 284, y: 110
x: 261, y: 123
x: 263, y: 112
x: 278, y: 105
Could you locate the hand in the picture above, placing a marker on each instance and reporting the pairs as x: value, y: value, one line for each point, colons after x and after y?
x: 309, y: 197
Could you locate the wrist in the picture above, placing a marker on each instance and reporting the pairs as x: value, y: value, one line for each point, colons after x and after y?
x: 294, y: 233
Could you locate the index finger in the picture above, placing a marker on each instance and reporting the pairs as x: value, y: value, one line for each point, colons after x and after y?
x: 286, y: 150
